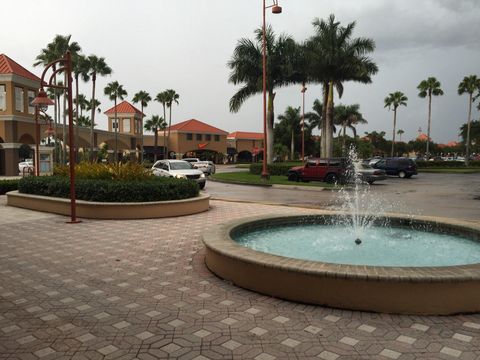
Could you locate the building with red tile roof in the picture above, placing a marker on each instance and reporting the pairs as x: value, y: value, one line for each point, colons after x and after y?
x: 197, y: 126
x: 244, y: 145
x: 129, y: 118
x: 8, y: 66
x: 245, y: 135
x: 124, y: 108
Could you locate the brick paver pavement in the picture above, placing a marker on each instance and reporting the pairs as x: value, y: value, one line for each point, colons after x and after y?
x: 140, y: 289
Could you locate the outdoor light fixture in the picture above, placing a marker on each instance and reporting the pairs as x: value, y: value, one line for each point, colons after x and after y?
x: 276, y: 9
x: 41, y: 102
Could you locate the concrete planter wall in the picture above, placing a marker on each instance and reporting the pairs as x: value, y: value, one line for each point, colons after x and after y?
x: 100, y: 210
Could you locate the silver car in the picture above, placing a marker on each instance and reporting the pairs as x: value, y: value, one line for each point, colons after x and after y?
x: 179, y: 169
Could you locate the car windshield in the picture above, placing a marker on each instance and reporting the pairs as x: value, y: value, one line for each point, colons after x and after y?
x: 181, y: 165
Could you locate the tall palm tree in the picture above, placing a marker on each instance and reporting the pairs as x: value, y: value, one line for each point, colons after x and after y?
x: 336, y: 57
x: 97, y: 66
x: 429, y: 87
x: 163, y: 99
x: 314, y: 117
x: 172, y: 97
x: 291, y: 117
x: 115, y: 91
x: 394, y: 100
x: 155, y: 124
x: 54, y: 51
x: 400, y: 132
x: 246, y: 69
x: 93, y: 104
x: 82, y: 102
x: 143, y: 98
x: 469, y: 85
x: 80, y: 69
x: 348, y: 116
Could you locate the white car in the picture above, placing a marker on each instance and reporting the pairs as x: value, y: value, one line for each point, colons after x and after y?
x: 179, y: 169
x: 208, y: 167
x: 25, y: 167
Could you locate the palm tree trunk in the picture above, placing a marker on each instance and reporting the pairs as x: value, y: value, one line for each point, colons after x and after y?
x: 141, y: 155
x: 116, y: 132
x: 64, y: 128
x: 394, y: 126
x: 428, y: 127
x: 169, y: 124
x: 467, y: 155
x: 76, y: 118
x: 270, y: 121
x: 164, y: 134
x: 344, y: 136
x: 329, y: 122
x: 92, y: 117
x: 155, y: 129
x: 292, y: 146
x: 323, y: 122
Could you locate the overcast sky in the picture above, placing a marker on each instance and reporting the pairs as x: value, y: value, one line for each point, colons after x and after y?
x: 185, y: 45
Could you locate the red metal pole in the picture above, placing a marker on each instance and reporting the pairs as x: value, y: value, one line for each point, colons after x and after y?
x: 37, y: 143
x: 303, y: 121
x: 68, y: 71
x: 265, y: 174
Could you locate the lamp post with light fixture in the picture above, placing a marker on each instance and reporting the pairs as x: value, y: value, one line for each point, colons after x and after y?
x: 276, y: 9
x: 41, y: 102
x: 303, y: 120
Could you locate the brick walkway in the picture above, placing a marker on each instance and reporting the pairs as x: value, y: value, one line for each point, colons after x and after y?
x: 140, y: 289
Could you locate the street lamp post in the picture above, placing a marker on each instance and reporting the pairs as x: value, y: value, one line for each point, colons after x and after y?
x: 42, y: 101
x: 303, y: 120
x: 275, y: 10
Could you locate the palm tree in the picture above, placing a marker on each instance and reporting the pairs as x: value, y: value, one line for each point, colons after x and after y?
x: 115, y: 91
x: 400, y: 132
x: 55, y: 50
x: 429, y: 87
x: 314, y: 117
x: 335, y: 58
x: 83, y: 121
x: 172, y: 97
x: 292, y: 119
x: 82, y: 102
x: 97, y: 66
x: 93, y: 104
x: 348, y: 116
x: 469, y: 85
x: 394, y: 100
x: 80, y: 69
x: 155, y: 124
x: 163, y: 99
x: 143, y: 98
x: 246, y: 66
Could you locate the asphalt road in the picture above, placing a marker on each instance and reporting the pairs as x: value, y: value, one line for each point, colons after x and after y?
x: 447, y: 195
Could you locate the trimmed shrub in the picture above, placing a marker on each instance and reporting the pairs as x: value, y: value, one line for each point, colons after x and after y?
x: 8, y: 185
x: 446, y: 164
x: 85, y: 170
x: 152, y: 189
x: 273, y: 169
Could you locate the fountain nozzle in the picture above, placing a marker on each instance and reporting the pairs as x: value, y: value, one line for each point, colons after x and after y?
x: 358, y: 241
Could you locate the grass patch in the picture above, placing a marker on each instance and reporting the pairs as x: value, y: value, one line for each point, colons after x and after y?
x: 252, y: 179
x: 471, y: 170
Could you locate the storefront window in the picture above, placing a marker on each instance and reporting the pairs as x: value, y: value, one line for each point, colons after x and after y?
x: 199, y: 137
x: 189, y: 136
x: 19, y: 104
x: 126, y: 125
x: 31, y: 96
x: 3, y: 98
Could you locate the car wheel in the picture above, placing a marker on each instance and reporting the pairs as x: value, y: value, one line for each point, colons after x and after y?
x: 402, y: 174
x: 292, y: 177
x: 370, y: 182
x: 331, y: 178
x: 201, y: 186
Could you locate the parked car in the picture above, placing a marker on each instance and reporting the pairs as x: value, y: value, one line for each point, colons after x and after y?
x: 398, y: 166
x: 328, y: 170
x: 208, y: 167
x: 25, y: 167
x: 179, y: 169
x: 368, y: 174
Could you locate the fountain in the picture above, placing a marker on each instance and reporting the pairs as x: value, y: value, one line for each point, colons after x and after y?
x: 356, y: 258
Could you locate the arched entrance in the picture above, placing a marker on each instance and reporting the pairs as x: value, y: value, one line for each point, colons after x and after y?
x: 244, y: 156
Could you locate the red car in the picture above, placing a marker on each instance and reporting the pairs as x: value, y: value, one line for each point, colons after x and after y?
x: 327, y: 170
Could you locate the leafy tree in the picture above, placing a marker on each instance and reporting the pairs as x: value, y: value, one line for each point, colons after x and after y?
x: 474, y: 134
x: 336, y: 58
x: 143, y: 98
x: 394, y: 100
x: 291, y: 119
x: 97, y: 66
x: 314, y: 118
x: 115, y: 91
x: 155, y: 124
x: 162, y: 98
x: 469, y: 85
x: 429, y: 87
x: 246, y: 70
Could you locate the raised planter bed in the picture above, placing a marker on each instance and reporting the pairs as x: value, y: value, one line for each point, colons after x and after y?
x: 105, y: 210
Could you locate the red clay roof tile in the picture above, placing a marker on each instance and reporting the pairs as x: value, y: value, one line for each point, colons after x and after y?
x: 124, y: 108
x: 195, y: 125
x: 244, y: 135
x: 8, y: 66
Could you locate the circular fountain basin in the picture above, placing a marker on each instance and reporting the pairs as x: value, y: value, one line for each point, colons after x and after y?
x: 387, y: 272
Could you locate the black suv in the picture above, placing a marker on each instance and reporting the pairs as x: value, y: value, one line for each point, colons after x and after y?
x: 400, y: 166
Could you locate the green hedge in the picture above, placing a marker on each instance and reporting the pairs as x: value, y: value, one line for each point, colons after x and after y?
x: 446, y: 164
x: 273, y: 169
x: 8, y: 185
x: 155, y: 189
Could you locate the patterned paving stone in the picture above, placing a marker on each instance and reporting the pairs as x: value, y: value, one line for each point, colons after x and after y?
x: 60, y: 298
